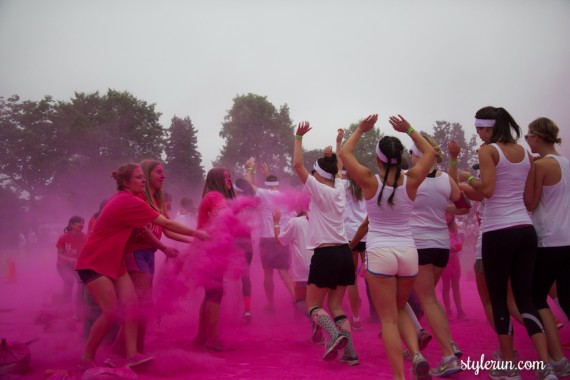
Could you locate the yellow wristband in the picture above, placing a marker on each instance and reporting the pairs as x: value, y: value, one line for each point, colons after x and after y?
x: 470, y: 179
x: 298, y: 137
x: 410, y: 130
x: 452, y: 162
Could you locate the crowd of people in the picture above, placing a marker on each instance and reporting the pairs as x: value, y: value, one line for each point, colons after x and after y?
x: 398, y: 221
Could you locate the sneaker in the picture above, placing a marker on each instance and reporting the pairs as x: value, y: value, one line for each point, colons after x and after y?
x: 456, y: 351
x: 559, y: 323
x: 420, y: 367
x: 407, y: 355
x: 84, y: 365
x: 247, y: 316
x: 505, y: 374
x: 317, y: 334
x: 562, y: 369
x: 331, y: 350
x: 423, y: 339
x: 350, y: 360
x: 355, y: 323
x: 547, y: 373
x: 498, y: 355
x: 446, y: 369
x: 138, y: 359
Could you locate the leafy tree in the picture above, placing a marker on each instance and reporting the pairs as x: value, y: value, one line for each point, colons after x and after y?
x: 184, y: 162
x: 253, y: 127
x: 444, y: 132
x: 365, y: 151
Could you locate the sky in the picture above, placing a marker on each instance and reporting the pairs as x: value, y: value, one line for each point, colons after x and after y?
x: 332, y: 62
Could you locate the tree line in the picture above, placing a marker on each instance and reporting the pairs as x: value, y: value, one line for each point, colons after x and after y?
x: 56, y: 154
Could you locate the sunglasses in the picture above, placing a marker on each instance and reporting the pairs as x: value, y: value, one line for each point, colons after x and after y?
x: 529, y: 135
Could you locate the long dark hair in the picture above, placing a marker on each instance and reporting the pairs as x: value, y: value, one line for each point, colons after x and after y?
x: 504, y: 123
x: 354, y: 189
x: 215, y: 181
x: 392, y: 148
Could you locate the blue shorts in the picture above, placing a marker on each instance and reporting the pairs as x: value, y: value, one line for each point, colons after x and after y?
x: 144, y: 261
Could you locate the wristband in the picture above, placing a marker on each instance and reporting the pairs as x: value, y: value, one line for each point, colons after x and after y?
x: 251, y: 169
x: 276, y: 226
x: 470, y: 179
x: 298, y: 137
x: 410, y: 130
x: 452, y: 162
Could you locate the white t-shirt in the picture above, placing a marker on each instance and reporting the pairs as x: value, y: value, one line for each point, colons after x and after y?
x: 354, y: 212
x: 267, y: 205
x: 326, y: 211
x: 294, y: 234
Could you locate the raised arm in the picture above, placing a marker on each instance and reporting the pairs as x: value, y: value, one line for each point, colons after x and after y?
x: 250, y: 173
x: 453, y: 149
x: 360, y: 173
x: 339, y: 137
x: 298, y: 164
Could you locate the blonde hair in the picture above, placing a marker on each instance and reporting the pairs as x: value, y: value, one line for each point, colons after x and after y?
x: 434, y: 144
x: 151, y: 195
x: 546, y: 129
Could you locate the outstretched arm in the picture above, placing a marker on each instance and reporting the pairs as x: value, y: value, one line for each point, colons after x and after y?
x: 339, y: 137
x: 298, y: 164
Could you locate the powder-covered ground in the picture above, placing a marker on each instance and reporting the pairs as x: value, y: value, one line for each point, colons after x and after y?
x: 273, y: 346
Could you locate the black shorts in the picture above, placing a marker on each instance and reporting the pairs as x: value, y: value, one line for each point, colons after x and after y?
x: 273, y: 255
x: 88, y: 275
x: 436, y: 256
x: 332, y: 267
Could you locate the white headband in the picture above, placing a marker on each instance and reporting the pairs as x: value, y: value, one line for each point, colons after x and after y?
x: 416, y: 151
x: 274, y: 183
x: 321, y: 172
x: 484, y: 123
x: 383, y: 157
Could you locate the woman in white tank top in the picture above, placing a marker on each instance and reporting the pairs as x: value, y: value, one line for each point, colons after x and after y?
x: 547, y: 195
x: 509, y: 240
x: 391, y: 262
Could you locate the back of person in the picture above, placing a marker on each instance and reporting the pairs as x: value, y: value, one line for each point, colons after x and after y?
x: 428, y: 216
x: 551, y: 218
x: 389, y: 225
x: 505, y: 208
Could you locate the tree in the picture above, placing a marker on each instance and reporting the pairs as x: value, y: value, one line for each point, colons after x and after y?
x: 184, y: 162
x: 365, y: 150
x: 443, y: 132
x: 254, y: 128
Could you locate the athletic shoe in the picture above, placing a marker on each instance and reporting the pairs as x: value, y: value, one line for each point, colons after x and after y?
x: 446, y: 369
x: 138, y: 359
x: 505, y: 374
x: 456, y: 351
x: 559, y: 323
x: 247, y: 316
x: 317, y: 334
x: 331, y: 350
x: 547, y: 373
x: 498, y: 355
x: 423, y: 339
x: 355, y: 323
x: 562, y: 369
x: 350, y: 360
x: 420, y: 367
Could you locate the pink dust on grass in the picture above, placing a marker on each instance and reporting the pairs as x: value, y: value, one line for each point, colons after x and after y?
x: 272, y: 346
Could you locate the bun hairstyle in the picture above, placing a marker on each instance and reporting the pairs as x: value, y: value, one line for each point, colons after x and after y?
x: 504, y: 124
x: 546, y: 129
x: 73, y: 220
x: 123, y: 175
x: 435, y: 145
x: 391, y: 147
x: 329, y: 164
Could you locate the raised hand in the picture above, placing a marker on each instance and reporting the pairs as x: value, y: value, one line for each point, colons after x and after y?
x: 453, y: 148
x: 399, y: 123
x: 328, y: 151
x: 368, y: 123
x: 303, y: 128
x: 339, y: 136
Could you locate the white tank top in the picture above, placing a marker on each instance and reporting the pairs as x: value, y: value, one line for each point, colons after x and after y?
x: 429, y: 227
x: 552, y: 216
x: 505, y: 208
x: 389, y: 226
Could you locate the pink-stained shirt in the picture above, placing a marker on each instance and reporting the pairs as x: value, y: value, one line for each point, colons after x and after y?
x: 103, y: 251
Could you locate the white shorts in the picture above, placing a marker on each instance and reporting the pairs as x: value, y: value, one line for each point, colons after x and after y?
x: 392, y: 261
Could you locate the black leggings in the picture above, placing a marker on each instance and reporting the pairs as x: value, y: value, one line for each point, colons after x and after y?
x: 552, y: 264
x: 511, y: 253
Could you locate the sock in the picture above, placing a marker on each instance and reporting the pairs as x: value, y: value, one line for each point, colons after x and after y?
x: 447, y: 359
x: 323, y: 319
x: 344, y: 326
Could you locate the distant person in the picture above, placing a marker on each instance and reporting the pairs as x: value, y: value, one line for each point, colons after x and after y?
x: 68, y: 247
x: 452, y: 272
x: 101, y: 267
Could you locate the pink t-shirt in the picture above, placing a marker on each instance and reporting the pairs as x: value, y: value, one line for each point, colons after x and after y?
x: 103, y: 251
x: 71, y: 244
x: 135, y: 244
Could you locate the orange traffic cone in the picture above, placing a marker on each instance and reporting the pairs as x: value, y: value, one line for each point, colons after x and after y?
x: 11, y: 276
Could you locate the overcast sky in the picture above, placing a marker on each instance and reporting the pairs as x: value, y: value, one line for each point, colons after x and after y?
x: 332, y: 62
